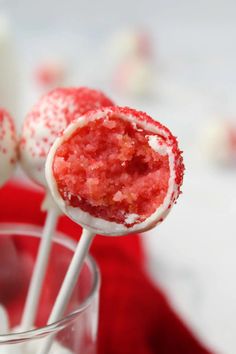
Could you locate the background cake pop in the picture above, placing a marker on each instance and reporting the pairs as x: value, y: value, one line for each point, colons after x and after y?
x: 8, y: 146
x: 218, y: 142
x: 48, y: 118
x: 132, y: 59
x: 44, y: 123
x: 50, y: 73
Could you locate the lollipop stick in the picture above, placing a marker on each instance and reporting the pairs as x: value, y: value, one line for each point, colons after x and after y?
x: 4, y: 322
x: 34, y: 292
x: 4, y: 328
x: 68, y: 284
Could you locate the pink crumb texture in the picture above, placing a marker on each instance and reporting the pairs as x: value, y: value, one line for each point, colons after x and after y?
x: 108, y: 169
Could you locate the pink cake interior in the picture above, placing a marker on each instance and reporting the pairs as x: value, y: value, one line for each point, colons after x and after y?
x: 108, y: 169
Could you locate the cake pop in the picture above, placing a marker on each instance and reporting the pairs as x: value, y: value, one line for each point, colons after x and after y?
x: 48, y: 118
x: 115, y: 171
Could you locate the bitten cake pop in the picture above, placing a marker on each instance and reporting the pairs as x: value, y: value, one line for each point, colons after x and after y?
x: 115, y: 171
x: 8, y: 146
x: 48, y: 118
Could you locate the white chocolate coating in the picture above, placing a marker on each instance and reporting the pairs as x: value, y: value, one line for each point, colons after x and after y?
x: 98, y: 225
x: 8, y: 146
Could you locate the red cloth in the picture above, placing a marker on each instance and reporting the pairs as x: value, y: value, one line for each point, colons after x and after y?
x: 135, y: 316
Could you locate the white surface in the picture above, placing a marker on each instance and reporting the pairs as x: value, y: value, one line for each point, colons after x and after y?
x: 192, y: 255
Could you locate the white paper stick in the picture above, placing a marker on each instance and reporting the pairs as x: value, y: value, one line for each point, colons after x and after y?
x: 68, y: 284
x: 4, y: 321
x: 34, y: 292
x: 4, y: 328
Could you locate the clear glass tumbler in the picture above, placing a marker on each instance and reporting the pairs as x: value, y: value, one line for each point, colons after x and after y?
x: 76, y: 332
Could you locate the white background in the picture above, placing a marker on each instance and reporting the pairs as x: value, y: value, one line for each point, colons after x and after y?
x: 192, y: 254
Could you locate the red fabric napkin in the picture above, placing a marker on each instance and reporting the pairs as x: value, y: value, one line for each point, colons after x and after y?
x: 135, y: 316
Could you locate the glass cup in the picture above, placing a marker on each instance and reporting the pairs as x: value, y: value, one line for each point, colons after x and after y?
x: 76, y: 332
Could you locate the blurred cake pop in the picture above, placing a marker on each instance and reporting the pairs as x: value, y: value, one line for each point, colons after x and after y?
x: 48, y: 118
x: 133, y: 63
x: 8, y: 146
x: 50, y: 73
x: 133, y: 77
x: 219, y: 142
